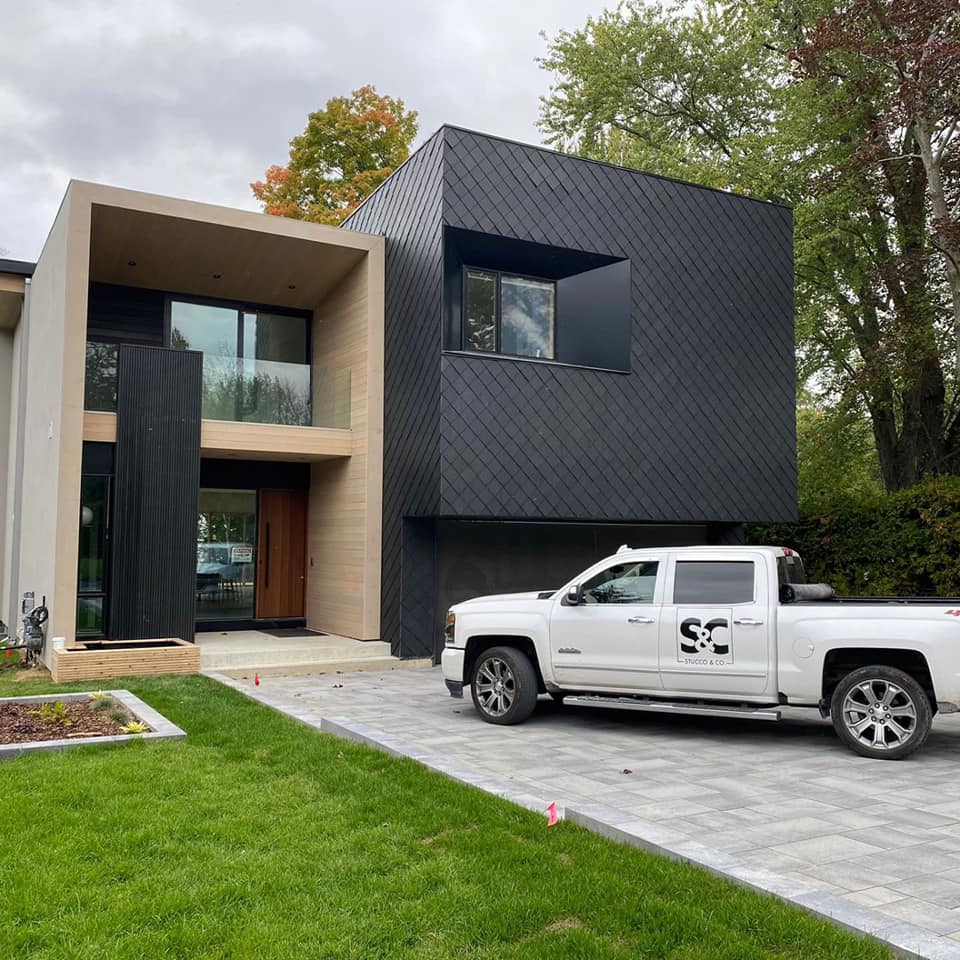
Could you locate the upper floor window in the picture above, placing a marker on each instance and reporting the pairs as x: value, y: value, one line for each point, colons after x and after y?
x: 255, y: 364
x: 509, y: 314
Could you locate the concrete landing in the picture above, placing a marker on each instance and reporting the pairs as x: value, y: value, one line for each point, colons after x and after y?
x: 240, y: 652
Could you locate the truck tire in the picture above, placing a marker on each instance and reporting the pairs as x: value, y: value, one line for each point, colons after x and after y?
x: 503, y: 684
x: 881, y: 712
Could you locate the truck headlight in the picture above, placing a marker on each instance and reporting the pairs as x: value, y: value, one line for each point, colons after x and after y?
x: 448, y: 630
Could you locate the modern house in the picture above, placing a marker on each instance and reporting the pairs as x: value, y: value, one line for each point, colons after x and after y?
x: 505, y: 364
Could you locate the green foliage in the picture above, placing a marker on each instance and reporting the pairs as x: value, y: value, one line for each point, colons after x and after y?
x: 118, y: 714
x: 255, y: 837
x: 836, y: 457
x: 101, y: 701
x: 53, y: 713
x: 8, y: 656
x: 903, y: 543
x: 346, y: 151
x: 135, y: 726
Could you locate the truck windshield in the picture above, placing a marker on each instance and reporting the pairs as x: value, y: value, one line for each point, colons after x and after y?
x: 790, y: 570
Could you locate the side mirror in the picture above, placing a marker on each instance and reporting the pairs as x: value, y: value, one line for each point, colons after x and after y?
x: 573, y: 597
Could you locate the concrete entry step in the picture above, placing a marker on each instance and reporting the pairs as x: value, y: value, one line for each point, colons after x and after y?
x: 240, y: 652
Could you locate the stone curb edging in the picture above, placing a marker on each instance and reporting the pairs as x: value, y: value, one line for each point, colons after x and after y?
x: 906, y: 939
x: 161, y: 727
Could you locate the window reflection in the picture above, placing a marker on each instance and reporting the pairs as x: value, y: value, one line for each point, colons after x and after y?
x: 226, y: 554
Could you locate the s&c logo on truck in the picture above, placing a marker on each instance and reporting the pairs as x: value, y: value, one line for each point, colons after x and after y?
x: 707, y: 643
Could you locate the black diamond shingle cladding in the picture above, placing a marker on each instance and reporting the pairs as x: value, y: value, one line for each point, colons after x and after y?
x: 701, y: 430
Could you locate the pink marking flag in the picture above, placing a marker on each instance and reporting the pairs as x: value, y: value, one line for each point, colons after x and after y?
x: 256, y: 679
x: 552, y: 817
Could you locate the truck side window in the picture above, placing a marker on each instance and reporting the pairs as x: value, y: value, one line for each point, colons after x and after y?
x: 622, y: 583
x: 713, y: 581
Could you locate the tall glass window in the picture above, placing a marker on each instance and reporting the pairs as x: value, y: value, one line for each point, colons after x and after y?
x: 481, y: 326
x: 256, y: 366
x: 509, y: 314
x: 226, y: 554
x: 92, y: 563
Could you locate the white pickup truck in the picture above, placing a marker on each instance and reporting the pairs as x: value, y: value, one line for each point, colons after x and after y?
x: 715, y: 631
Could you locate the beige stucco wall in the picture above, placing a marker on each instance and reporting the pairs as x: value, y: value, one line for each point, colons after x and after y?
x: 344, y: 523
x: 53, y: 421
x: 8, y: 402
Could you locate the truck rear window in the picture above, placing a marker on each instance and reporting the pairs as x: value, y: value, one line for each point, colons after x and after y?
x: 713, y: 581
x: 790, y: 570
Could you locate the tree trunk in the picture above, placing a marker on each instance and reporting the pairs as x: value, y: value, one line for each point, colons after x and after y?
x: 940, y: 210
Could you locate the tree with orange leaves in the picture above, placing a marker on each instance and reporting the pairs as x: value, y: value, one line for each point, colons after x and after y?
x: 346, y: 151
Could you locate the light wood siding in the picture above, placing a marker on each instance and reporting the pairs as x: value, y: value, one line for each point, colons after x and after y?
x: 248, y: 441
x: 343, y: 544
x: 106, y: 659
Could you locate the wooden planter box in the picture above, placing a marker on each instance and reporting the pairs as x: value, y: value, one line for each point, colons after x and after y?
x: 100, y: 659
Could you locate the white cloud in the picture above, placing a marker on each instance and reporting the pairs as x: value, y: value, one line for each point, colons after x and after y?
x: 196, y: 99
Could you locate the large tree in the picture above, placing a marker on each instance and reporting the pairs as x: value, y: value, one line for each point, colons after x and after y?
x: 847, y: 111
x: 346, y: 151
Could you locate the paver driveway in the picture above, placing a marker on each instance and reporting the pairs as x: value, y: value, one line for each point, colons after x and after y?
x: 786, y: 797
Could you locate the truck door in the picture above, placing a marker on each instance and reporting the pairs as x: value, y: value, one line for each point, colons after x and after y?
x: 715, y: 629
x: 610, y: 640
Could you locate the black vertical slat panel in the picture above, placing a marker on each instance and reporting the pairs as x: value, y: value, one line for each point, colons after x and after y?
x: 154, y: 550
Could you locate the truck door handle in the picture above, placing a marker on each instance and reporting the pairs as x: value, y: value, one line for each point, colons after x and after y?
x: 749, y: 622
x: 640, y: 620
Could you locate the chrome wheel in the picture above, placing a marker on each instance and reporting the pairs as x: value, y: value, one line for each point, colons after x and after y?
x: 879, y: 714
x: 495, y: 686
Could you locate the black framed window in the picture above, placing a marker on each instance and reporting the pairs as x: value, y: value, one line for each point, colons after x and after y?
x: 256, y: 363
x: 92, y: 570
x: 509, y: 314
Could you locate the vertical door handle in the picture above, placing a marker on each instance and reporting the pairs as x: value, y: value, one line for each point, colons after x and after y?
x: 266, y: 547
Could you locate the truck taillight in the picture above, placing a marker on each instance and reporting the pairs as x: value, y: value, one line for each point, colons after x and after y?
x: 449, y: 629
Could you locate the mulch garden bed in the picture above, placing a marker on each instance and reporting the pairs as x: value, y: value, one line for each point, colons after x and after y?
x: 61, y: 720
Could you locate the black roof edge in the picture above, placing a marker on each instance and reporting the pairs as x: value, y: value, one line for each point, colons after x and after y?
x: 571, y: 156
x: 22, y: 268
x: 616, y: 166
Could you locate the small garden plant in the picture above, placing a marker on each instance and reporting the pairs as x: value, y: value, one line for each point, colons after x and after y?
x: 99, y: 714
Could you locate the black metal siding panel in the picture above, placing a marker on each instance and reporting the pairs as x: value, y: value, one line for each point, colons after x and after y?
x: 406, y: 209
x: 125, y: 314
x: 703, y: 428
x: 154, y: 550
x: 474, y: 559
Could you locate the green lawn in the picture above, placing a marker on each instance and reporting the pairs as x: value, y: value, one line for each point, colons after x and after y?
x: 258, y: 838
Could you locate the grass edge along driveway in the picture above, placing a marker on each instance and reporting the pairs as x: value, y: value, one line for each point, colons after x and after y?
x: 257, y: 837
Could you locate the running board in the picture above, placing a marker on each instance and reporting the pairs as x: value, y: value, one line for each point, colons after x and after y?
x: 742, y: 712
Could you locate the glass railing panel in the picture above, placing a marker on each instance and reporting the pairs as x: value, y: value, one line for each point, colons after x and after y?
x: 256, y: 391
x: 331, y: 398
x: 246, y: 391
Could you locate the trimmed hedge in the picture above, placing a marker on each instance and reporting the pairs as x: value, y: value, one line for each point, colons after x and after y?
x: 904, y: 543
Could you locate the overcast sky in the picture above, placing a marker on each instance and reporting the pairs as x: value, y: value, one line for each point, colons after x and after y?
x: 195, y: 98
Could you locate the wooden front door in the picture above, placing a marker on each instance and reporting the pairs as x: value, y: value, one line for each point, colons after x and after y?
x: 281, y: 553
